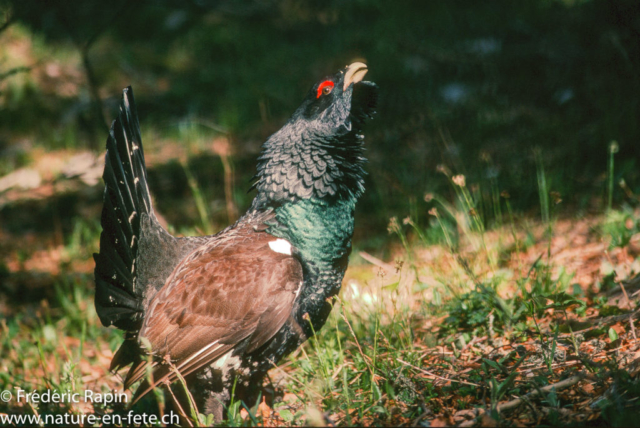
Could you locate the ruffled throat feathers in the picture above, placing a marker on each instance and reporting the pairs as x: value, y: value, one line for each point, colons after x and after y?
x: 297, y: 165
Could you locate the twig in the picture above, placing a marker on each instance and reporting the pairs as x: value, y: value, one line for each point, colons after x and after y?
x: 211, y: 125
x: 425, y: 412
x: 615, y: 274
x: 182, y: 412
x: 633, y: 329
x: 193, y: 408
x: 83, y: 48
x: 33, y: 409
x: 473, y: 342
x: 529, y: 369
x: 558, y: 386
x: 603, y: 322
x: 355, y: 378
x: 626, y: 296
x: 436, y: 376
x: 227, y: 166
x: 376, y: 261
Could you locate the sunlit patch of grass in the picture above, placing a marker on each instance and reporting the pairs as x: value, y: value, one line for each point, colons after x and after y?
x: 447, y: 287
x: 84, y: 239
x: 621, y: 226
x: 365, y: 365
x: 59, y: 346
x: 352, y: 368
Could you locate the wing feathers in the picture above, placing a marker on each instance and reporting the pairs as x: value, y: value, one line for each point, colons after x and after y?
x: 166, y: 374
x: 233, y: 292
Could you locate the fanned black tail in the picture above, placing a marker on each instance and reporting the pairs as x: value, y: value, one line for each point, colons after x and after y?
x: 126, y: 199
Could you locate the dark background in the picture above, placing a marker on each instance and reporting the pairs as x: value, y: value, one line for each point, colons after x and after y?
x: 478, y: 87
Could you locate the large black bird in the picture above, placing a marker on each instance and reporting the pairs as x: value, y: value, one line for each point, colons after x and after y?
x: 223, y: 309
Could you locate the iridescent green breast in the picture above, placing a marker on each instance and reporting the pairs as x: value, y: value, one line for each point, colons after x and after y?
x: 320, y: 230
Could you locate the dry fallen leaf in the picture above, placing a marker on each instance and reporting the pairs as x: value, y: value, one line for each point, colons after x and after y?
x: 587, y: 388
x: 442, y: 422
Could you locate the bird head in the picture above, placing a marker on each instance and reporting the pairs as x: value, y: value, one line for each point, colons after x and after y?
x: 336, y: 104
x: 318, y: 153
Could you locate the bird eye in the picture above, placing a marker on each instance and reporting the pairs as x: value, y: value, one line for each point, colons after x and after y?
x: 325, y: 88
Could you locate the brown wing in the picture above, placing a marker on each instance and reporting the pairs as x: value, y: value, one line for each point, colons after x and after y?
x: 219, y: 296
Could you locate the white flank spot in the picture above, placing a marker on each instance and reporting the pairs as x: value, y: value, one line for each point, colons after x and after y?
x: 281, y: 246
x: 135, y: 180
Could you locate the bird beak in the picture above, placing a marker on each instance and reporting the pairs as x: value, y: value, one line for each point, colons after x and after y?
x: 354, y: 74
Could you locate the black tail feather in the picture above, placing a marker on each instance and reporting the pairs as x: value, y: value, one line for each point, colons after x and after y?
x: 126, y: 200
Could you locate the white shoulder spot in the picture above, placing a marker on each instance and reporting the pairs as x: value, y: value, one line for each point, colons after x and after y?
x: 281, y: 246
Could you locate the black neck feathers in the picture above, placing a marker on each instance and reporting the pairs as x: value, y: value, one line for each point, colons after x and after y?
x: 296, y: 164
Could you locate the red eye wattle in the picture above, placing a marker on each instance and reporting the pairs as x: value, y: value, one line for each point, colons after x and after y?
x: 325, y: 88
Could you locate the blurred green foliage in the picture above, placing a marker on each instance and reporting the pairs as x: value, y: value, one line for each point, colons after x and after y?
x: 475, y: 86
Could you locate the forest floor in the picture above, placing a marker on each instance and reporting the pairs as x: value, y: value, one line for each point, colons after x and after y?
x: 533, y: 322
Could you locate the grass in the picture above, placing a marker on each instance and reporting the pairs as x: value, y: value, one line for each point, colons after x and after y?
x: 370, y: 360
x: 466, y: 314
x: 365, y: 367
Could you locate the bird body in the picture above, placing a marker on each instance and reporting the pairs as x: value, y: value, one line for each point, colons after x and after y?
x: 223, y: 309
